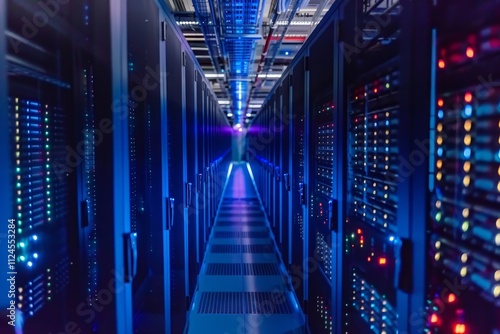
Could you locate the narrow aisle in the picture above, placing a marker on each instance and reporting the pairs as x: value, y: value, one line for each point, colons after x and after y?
x: 242, y: 284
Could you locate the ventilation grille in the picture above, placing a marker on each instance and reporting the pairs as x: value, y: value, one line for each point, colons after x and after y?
x: 225, y: 269
x: 221, y: 303
x: 242, y: 248
x: 267, y: 303
x: 260, y: 269
x: 244, y: 303
x: 257, y: 249
x: 226, y: 248
x: 236, y: 234
x: 240, y: 223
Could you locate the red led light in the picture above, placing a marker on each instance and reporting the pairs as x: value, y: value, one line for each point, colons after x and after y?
x: 375, y: 116
x: 382, y: 261
x: 369, y: 259
x: 469, y: 52
x: 452, y: 298
x: 441, y: 63
x: 459, y: 329
x: 375, y: 90
x: 359, y: 231
x: 468, y: 97
x: 440, y: 102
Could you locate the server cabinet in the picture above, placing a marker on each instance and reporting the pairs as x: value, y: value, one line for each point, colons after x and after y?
x: 200, y: 163
x: 322, y: 166
x: 463, y: 239
x: 274, y: 123
x: 176, y: 113
x: 278, y: 128
x: 190, y: 162
x: 148, y: 160
x: 372, y: 216
x: 298, y: 180
x: 388, y: 84
x: 286, y: 163
x: 60, y: 137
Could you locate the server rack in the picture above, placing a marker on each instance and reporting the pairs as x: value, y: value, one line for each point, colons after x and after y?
x: 285, y: 208
x: 60, y: 140
x: 322, y: 192
x: 298, y: 179
x: 463, y: 257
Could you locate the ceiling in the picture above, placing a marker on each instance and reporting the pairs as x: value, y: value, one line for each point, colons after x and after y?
x: 243, y: 46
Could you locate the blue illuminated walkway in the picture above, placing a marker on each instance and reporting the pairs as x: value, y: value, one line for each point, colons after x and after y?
x: 242, y: 284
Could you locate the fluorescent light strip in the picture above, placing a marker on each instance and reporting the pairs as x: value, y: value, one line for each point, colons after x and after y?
x: 224, y: 102
x: 213, y: 75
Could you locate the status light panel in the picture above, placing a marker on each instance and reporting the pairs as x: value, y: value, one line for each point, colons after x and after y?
x: 41, y: 202
x: 374, y: 152
x: 464, y: 236
x: 372, y: 206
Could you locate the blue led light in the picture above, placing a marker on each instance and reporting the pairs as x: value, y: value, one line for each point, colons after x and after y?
x: 35, y: 255
x: 440, y: 113
x: 468, y: 110
x: 467, y: 152
x: 35, y: 237
x: 440, y: 152
x: 30, y: 264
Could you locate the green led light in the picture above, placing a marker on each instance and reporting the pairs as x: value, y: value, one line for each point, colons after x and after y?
x: 19, y: 215
x: 352, y: 236
x: 18, y: 185
x: 438, y: 216
x: 18, y: 169
x: 19, y: 222
x: 19, y: 230
x: 48, y: 212
x: 46, y: 119
x: 22, y: 258
x: 47, y: 179
x: 47, y: 133
x: 18, y: 200
x: 48, y: 284
x: 387, y: 85
x: 21, y: 244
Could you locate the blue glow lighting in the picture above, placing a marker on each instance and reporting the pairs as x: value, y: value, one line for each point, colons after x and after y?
x: 468, y: 110
x: 467, y: 153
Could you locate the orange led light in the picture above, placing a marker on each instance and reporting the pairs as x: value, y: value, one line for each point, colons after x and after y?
x: 375, y: 90
x: 469, y: 52
x: 459, y: 329
x: 382, y: 260
x: 468, y: 97
x: 440, y: 102
x: 434, y: 318
x: 359, y: 231
x: 451, y: 298
x: 441, y: 63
